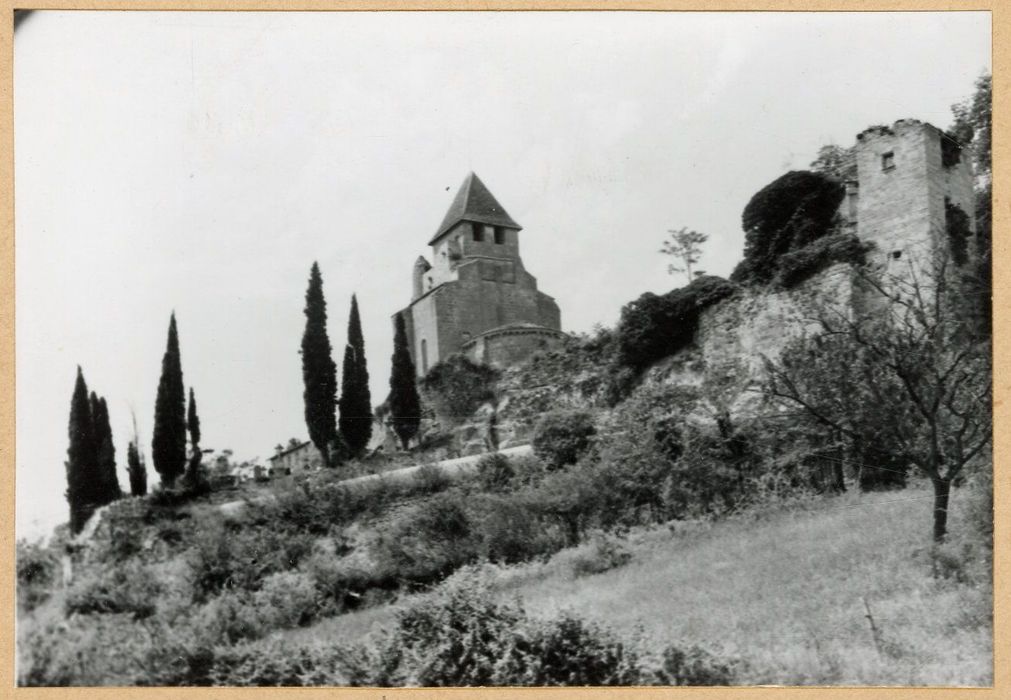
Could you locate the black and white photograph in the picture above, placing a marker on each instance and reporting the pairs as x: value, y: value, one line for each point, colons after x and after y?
x: 502, y: 348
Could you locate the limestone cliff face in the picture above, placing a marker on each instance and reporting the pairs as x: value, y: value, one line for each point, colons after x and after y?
x: 726, y: 357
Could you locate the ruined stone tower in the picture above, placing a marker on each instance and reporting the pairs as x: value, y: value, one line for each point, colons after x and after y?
x: 475, y: 296
x: 910, y: 176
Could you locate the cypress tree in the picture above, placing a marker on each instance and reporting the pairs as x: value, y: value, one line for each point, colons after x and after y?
x: 319, y: 372
x: 355, y: 402
x: 168, y: 446
x: 82, y: 457
x: 193, y: 425
x: 405, y: 405
x: 108, y: 480
x: 136, y: 470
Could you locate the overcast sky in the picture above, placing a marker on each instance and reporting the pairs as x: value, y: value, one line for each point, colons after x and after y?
x: 201, y: 161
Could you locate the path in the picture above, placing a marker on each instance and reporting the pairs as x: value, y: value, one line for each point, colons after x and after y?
x: 449, y: 467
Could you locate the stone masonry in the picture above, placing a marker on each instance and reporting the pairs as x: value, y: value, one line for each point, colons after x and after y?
x: 475, y: 296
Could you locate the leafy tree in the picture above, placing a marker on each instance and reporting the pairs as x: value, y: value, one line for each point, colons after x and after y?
x: 82, y: 458
x: 319, y: 372
x: 355, y: 401
x: 404, y: 402
x: 909, y: 377
x: 108, y: 485
x: 836, y: 162
x: 685, y: 246
x: 168, y: 446
x: 135, y: 468
x: 785, y: 215
x: 972, y: 129
x: 973, y: 125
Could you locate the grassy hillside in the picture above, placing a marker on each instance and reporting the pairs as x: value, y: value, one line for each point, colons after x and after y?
x: 784, y: 592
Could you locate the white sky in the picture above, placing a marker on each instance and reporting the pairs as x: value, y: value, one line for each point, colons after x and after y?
x: 201, y: 161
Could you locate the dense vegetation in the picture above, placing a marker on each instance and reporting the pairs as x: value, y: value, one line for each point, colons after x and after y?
x: 786, y: 215
x: 653, y: 327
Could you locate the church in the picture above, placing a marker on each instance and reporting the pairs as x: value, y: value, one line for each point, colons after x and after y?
x: 475, y: 297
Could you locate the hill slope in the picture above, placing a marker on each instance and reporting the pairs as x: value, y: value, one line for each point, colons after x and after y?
x: 784, y: 592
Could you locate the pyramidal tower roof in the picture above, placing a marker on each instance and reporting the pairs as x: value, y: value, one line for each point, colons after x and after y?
x: 473, y: 202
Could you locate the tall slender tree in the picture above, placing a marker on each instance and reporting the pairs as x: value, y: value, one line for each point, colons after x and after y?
x: 135, y: 468
x: 168, y: 445
x: 319, y: 372
x: 405, y: 404
x: 107, y: 488
x: 82, y: 457
x: 193, y: 476
x: 356, y: 401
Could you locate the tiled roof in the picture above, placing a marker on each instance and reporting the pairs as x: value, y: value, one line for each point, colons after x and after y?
x: 473, y: 202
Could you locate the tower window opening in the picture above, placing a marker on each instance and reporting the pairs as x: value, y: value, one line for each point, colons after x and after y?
x: 888, y: 160
x: 478, y: 233
x: 499, y: 235
x: 424, y: 356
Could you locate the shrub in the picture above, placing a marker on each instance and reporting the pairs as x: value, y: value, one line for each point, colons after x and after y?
x: 457, y: 386
x: 654, y: 327
x: 694, y: 666
x: 84, y: 650
x: 785, y: 215
x: 603, y: 554
x: 562, y: 437
x: 463, y: 637
x: 494, y: 472
x: 429, y: 541
x: 340, y: 584
x: 429, y: 479
x: 224, y: 558
x: 799, y: 265
x: 127, y: 588
x: 288, y: 599
x: 37, y: 571
x: 276, y: 663
x: 511, y: 532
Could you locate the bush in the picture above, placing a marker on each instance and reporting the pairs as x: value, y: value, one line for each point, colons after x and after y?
x: 463, y: 637
x: 694, y: 666
x: 654, y: 327
x: 288, y: 599
x: 127, y: 588
x: 224, y: 558
x: 603, y: 554
x: 511, y: 532
x: 274, y: 664
x: 799, y: 265
x: 562, y: 437
x: 428, y: 542
x: 457, y: 386
x: 37, y: 571
x: 785, y: 215
x: 494, y: 472
x: 429, y: 479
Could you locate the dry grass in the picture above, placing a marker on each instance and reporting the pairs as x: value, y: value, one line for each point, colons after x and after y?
x: 785, y: 593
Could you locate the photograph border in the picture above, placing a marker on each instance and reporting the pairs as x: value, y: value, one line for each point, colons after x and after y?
x: 1001, y: 48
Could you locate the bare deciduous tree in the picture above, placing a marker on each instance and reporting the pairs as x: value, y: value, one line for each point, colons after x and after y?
x: 903, y: 373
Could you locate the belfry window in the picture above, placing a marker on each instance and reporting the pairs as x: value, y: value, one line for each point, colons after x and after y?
x: 499, y: 235
x: 478, y: 232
